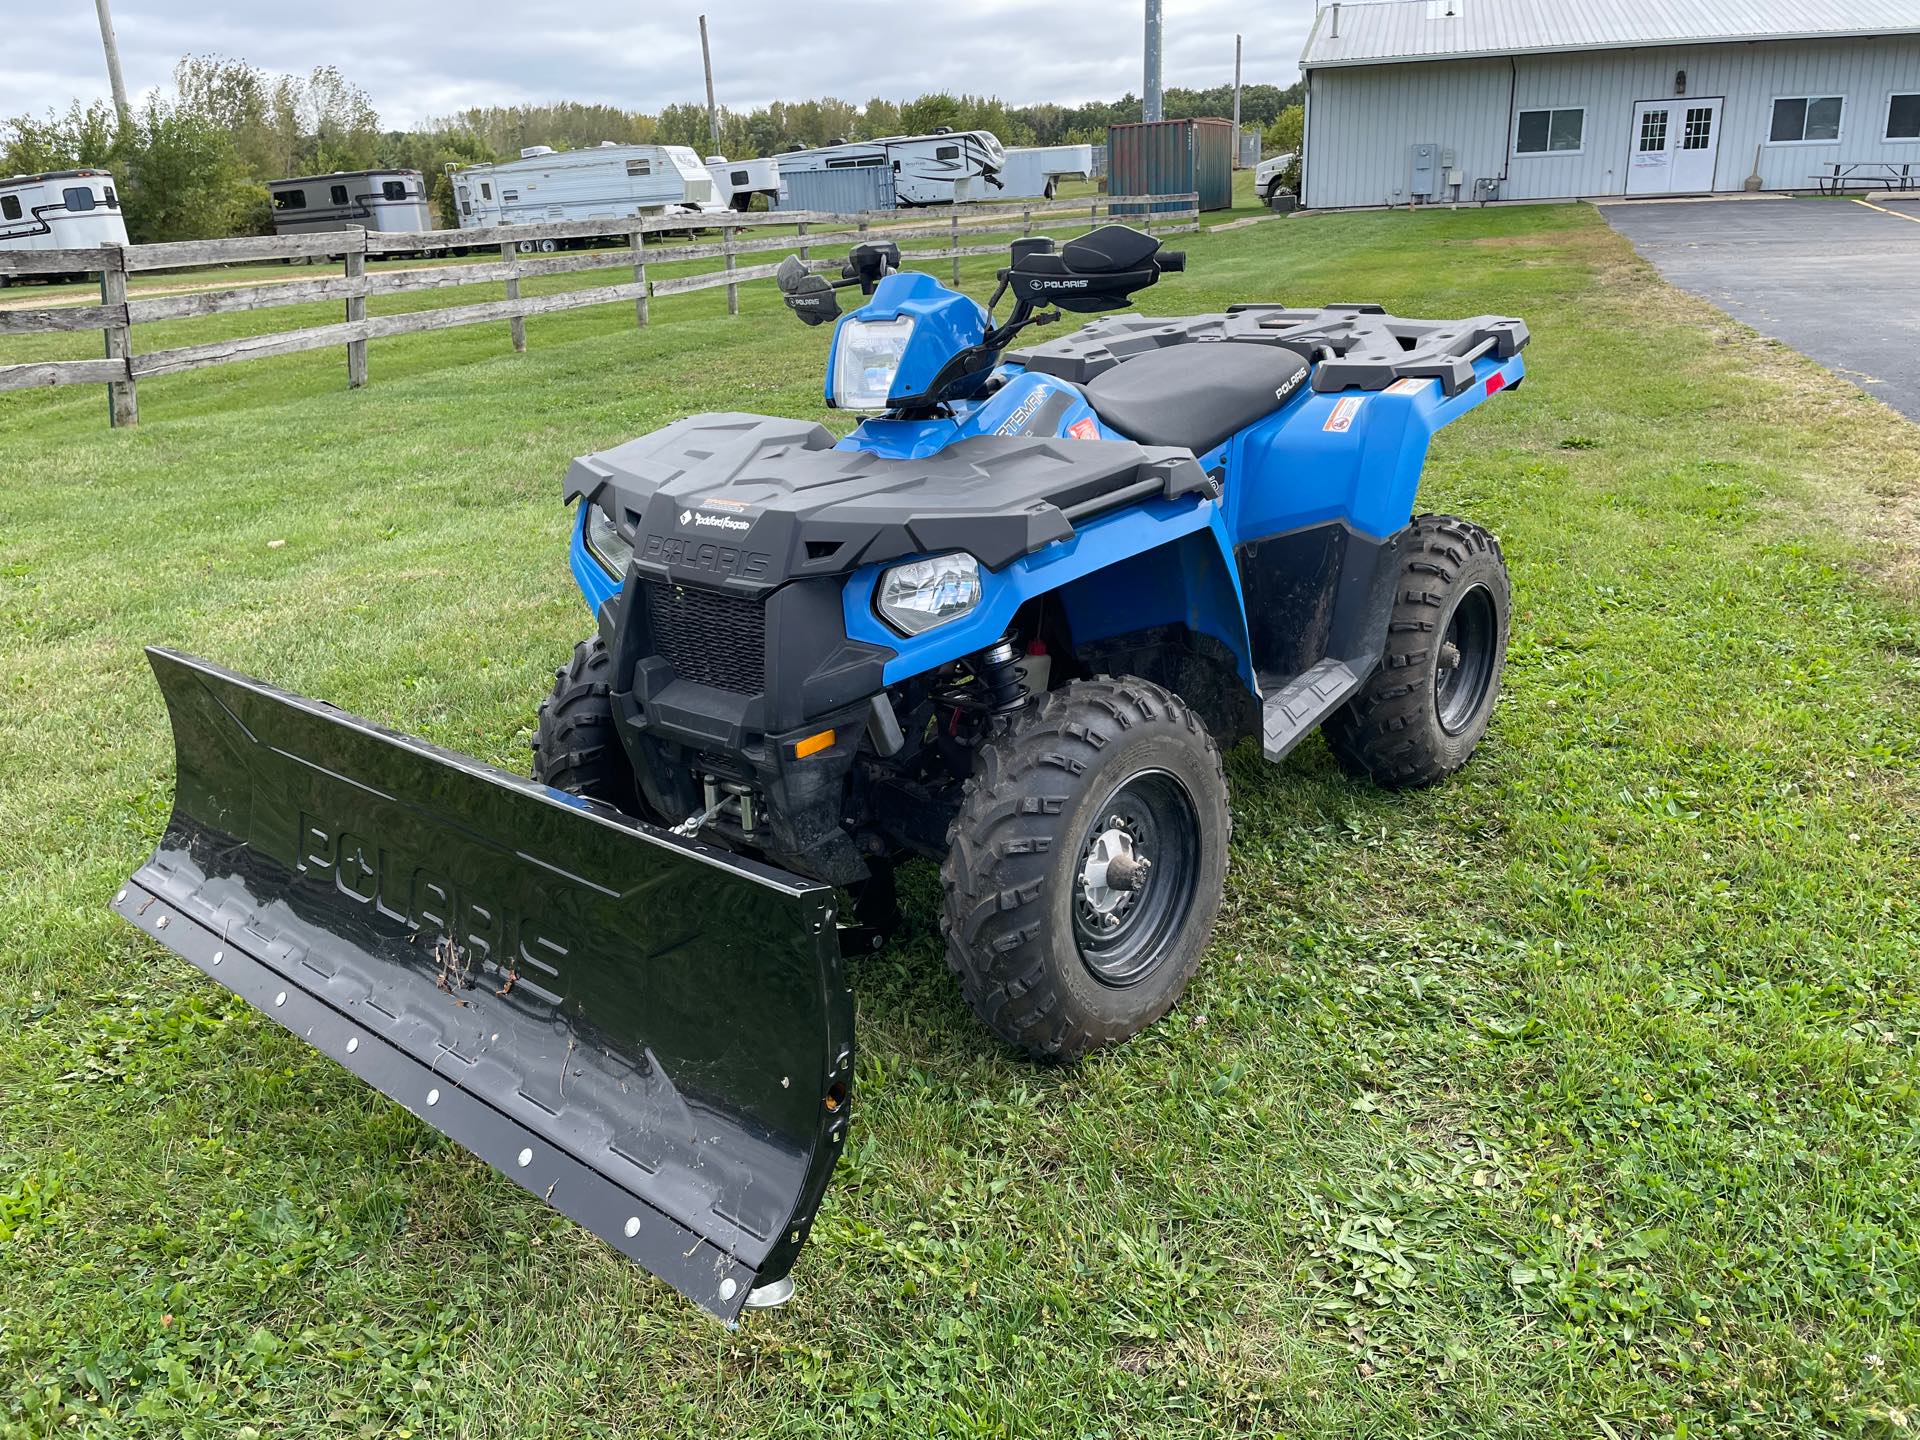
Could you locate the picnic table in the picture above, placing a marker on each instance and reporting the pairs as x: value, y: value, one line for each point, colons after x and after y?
x: 1887, y: 174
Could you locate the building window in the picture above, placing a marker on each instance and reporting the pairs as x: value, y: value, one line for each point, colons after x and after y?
x: 486, y: 191
x: 78, y: 197
x: 338, y: 194
x: 1550, y: 132
x: 1903, y: 117
x: 639, y: 167
x: 1806, y: 120
x: 393, y: 190
x: 290, y: 200
x: 1653, y: 132
x: 1699, y: 132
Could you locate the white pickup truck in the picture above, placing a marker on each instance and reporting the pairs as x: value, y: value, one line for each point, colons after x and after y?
x: 1267, y: 175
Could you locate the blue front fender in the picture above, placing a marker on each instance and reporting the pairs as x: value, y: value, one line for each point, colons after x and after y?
x: 1165, y: 562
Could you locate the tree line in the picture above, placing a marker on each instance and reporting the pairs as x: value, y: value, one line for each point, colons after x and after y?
x: 194, y: 165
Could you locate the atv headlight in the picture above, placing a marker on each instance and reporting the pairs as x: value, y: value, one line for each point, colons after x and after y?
x: 921, y: 594
x: 866, y: 357
x: 604, y: 541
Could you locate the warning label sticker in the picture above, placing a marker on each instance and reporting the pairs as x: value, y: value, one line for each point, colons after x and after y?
x: 1341, y: 420
x: 1409, y: 386
x: 1084, y: 429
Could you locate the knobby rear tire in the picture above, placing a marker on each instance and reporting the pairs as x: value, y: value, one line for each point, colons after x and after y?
x: 1392, y: 731
x: 1015, y: 857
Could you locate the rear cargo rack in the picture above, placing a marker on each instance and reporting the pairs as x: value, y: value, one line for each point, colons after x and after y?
x: 1353, y: 346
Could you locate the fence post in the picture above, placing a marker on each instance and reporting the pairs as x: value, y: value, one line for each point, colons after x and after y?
x: 356, y: 269
x: 953, y: 244
x: 1026, y: 219
x: 733, y: 291
x: 806, y: 251
x: 509, y: 252
x: 122, y: 406
x: 640, y: 276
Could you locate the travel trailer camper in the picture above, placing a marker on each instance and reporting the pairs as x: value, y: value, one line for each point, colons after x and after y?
x: 60, y: 210
x: 1033, y: 172
x: 736, y: 182
x: 944, y: 168
x: 385, y: 200
x: 608, y: 181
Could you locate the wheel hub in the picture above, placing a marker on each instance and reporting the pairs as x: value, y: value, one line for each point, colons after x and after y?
x: 1113, y: 873
x: 1463, y: 669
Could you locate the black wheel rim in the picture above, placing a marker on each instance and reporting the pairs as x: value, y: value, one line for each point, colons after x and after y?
x: 1463, y: 674
x: 1125, y: 926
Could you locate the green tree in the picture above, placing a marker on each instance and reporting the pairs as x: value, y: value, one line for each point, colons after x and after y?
x: 1288, y: 131
x: 181, y: 177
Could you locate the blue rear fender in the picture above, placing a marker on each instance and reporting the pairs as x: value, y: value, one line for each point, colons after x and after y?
x: 1355, y: 456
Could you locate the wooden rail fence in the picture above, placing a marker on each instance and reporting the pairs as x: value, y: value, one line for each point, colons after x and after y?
x: 525, y: 251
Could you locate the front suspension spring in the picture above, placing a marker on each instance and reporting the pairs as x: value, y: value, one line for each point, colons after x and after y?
x: 1002, y: 675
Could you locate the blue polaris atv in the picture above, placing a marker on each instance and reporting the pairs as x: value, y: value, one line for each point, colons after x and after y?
x: 1009, y: 623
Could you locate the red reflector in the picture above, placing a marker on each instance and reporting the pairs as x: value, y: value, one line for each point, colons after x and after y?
x: 1496, y: 382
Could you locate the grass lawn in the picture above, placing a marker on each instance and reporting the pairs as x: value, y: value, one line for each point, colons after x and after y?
x: 1575, y: 1097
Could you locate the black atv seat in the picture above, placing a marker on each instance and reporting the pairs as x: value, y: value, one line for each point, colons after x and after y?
x: 1194, y: 396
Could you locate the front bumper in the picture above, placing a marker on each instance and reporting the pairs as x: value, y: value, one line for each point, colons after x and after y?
x: 738, y: 717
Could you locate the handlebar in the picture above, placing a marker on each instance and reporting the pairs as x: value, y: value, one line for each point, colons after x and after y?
x: 1095, y: 271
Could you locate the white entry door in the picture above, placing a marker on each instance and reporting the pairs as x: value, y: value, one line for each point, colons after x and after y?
x: 1674, y: 145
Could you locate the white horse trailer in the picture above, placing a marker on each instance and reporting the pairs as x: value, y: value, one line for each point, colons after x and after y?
x: 385, y: 200
x: 1033, y: 172
x: 736, y: 182
x: 605, y: 182
x: 60, y: 210
x: 944, y: 168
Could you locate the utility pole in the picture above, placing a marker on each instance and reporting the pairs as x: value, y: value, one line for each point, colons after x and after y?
x: 706, y: 60
x: 1150, y: 100
x: 1236, y: 102
x: 113, y: 61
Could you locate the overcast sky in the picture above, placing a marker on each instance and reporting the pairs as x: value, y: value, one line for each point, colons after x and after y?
x: 421, y: 58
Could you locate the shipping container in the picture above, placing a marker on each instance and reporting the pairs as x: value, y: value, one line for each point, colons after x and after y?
x: 838, y: 192
x: 1172, y: 157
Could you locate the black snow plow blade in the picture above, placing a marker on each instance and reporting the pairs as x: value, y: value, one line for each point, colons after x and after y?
x: 651, y: 1035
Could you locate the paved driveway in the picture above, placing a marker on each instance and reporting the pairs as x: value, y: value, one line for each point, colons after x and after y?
x: 1834, y: 279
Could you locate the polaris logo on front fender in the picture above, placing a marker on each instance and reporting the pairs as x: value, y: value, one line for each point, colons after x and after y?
x: 677, y: 550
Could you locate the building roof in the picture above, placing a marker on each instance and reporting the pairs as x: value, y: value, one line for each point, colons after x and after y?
x: 1391, y: 31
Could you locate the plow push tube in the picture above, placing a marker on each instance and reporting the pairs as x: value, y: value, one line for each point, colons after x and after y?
x: 652, y: 1036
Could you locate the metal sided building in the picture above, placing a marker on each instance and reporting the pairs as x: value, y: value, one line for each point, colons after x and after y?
x: 1431, y: 101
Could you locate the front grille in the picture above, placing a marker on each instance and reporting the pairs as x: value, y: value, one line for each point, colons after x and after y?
x: 709, y: 636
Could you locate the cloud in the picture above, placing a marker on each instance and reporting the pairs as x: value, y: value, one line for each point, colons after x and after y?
x: 421, y: 58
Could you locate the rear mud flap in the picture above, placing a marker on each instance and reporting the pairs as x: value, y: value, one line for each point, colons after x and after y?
x: 649, y: 1034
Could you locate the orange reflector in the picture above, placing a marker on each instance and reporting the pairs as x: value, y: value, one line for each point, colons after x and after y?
x: 813, y: 745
